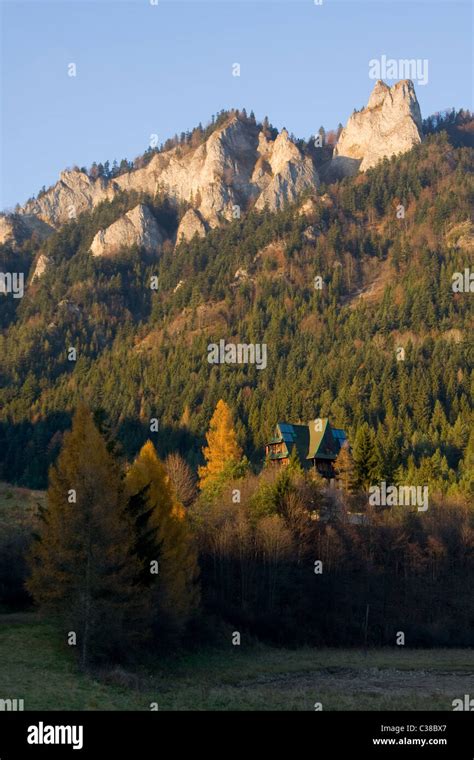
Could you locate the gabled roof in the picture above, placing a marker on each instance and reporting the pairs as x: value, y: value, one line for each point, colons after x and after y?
x: 315, y: 439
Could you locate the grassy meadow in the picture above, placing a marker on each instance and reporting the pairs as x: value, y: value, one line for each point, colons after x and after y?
x: 39, y: 668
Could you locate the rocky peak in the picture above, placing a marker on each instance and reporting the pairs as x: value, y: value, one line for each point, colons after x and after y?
x: 378, y: 94
x: 236, y: 166
x: 74, y: 193
x: 191, y: 224
x: 389, y: 124
x: 137, y: 227
x: 283, y: 152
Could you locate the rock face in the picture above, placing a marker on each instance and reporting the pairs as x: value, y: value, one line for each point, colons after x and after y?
x: 291, y: 173
x: 15, y: 228
x: 69, y: 197
x: 239, y: 166
x: 136, y: 227
x: 191, y: 224
x: 236, y: 166
x: 461, y: 236
x: 7, y: 230
x: 389, y: 124
x: 40, y: 268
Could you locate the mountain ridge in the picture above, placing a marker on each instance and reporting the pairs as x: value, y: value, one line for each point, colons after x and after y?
x: 239, y: 165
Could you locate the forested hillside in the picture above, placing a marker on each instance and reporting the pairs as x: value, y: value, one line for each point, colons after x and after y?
x: 386, y: 245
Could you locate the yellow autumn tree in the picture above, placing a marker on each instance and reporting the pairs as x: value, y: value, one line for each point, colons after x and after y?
x: 222, y: 452
x: 345, y: 469
x: 175, y: 576
x: 82, y: 566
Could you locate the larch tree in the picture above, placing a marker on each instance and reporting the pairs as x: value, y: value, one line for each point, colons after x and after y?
x: 344, y: 469
x: 83, y: 569
x: 171, y: 558
x: 222, y: 452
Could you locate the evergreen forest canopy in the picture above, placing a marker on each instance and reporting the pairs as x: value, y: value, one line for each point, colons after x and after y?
x: 334, y: 351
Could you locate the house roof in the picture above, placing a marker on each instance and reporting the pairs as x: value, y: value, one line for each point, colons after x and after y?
x: 315, y: 439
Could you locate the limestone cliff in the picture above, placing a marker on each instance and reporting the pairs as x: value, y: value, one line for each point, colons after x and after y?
x: 137, y: 227
x: 388, y: 125
x: 236, y: 166
x: 40, y: 267
x: 191, y: 224
x: 14, y: 229
x: 239, y: 166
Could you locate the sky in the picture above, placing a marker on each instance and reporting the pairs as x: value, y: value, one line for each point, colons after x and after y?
x: 158, y: 67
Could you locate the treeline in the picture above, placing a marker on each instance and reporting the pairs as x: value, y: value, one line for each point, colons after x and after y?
x: 130, y: 559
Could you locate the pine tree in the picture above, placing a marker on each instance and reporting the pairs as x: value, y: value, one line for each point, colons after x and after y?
x: 222, y: 453
x: 175, y: 585
x: 366, y: 460
x: 82, y: 566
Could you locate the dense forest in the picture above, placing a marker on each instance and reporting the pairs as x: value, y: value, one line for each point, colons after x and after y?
x: 351, y: 290
x: 383, y: 339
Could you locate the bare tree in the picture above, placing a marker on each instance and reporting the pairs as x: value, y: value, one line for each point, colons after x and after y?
x: 182, y: 478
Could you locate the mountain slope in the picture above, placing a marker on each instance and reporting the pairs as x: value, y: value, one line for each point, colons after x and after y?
x: 142, y: 353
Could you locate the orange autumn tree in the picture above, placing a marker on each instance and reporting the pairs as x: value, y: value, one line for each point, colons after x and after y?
x: 175, y: 589
x: 222, y: 452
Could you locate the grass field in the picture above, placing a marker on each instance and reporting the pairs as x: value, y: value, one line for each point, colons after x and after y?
x: 18, y: 504
x: 36, y: 667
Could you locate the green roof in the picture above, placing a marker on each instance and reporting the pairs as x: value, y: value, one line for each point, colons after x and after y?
x: 312, y: 440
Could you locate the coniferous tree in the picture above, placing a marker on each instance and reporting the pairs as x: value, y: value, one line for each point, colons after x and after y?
x: 366, y: 460
x: 345, y: 469
x: 222, y: 452
x: 82, y: 567
x: 173, y: 561
x: 467, y: 468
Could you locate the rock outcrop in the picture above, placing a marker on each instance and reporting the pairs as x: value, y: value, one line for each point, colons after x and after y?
x: 8, y: 233
x: 291, y: 173
x: 40, y: 267
x: 14, y: 229
x: 137, y: 227
x: 236, y: 166
x: 461, y: 236
x: 239, y: 166
x: 388, y: 125
x: 74, y: 193
x: 191, y: 224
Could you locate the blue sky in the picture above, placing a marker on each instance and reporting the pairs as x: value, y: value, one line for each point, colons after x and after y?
x: 147, y: 69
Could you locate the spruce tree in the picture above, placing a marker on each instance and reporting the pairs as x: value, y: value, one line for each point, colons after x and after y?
x: 366, y: 460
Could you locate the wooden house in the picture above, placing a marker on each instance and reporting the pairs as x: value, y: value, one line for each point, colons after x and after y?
x: 317, y: 444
